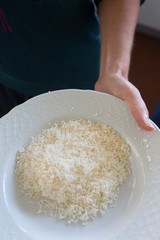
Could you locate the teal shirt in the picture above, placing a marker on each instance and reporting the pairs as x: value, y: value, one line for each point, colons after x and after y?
x: 49, y: 45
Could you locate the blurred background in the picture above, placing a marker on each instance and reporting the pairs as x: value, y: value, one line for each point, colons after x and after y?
x: 145, y: 62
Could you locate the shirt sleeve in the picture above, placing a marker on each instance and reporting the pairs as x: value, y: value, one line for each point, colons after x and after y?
x: 97, y: 1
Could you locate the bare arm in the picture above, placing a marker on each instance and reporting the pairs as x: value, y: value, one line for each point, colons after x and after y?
x: 118, y: 20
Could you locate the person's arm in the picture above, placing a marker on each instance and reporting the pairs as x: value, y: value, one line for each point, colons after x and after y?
x: 118, y: 20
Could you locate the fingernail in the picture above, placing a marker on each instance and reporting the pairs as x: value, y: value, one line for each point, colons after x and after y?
x: 150, y: 124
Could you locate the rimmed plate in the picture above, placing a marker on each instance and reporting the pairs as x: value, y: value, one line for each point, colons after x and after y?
x: 136, y: 213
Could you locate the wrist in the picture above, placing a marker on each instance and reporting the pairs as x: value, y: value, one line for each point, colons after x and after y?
x: 119, y: 68
x: 116, y: 69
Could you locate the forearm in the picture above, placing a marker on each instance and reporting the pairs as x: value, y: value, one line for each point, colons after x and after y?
x: 118, y: 20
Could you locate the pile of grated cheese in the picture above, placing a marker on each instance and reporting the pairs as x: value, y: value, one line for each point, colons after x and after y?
x: 75, y: 167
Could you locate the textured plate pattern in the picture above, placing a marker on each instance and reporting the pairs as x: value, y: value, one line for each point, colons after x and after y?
x: 146, y: 224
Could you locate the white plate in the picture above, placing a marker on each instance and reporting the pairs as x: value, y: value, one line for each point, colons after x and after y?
x: 136, y: 213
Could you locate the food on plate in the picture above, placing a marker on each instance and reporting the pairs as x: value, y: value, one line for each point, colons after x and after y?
x: 75, y: 168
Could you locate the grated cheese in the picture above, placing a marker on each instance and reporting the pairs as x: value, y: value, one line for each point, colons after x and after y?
x: 75, y: 168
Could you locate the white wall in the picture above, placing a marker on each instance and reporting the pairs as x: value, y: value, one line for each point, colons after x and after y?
x: 150, y: 14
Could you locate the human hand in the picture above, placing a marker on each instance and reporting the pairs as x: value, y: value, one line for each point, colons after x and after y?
x: 118, y: 86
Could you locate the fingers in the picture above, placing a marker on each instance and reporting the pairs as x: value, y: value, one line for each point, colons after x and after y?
x: 125, y: 90
x: 138, y: 109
